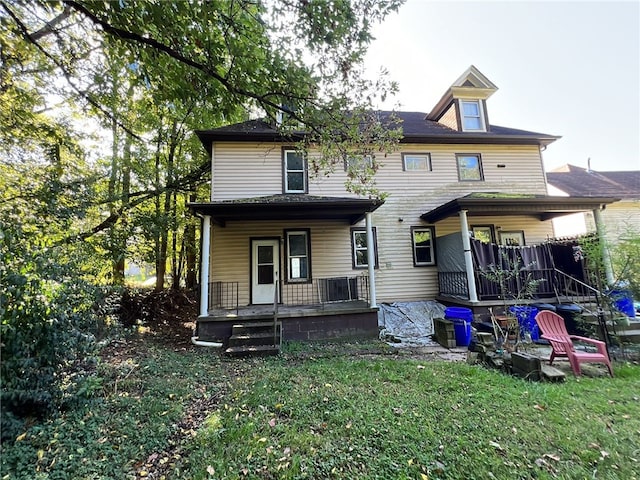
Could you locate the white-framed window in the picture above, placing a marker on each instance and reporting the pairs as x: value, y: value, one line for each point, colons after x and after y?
x: 358, y: 163
x: 295, y: 172
x: 298, y: 251
x: 423, y: 243
x: 360, y: 248
x: 416, y: 162
x: 469, y: 167
x: 472, y: 116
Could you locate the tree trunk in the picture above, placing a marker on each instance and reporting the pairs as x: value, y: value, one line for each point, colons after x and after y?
x: 191, y: 279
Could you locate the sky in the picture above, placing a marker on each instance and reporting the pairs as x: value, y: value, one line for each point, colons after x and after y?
x: 570, y: 69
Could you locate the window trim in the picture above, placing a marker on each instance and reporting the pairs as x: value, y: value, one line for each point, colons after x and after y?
x: 492, y: 231
x: 286, y: 233
x: 432, y: 231
x: 512, y: 233
x: 285, y: 172
x: 480, y: 169
x: 352, y: 233
x: 480, y: 117
x: 415, y: 154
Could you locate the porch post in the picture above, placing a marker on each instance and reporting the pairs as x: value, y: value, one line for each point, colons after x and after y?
x: 468, y: 260
x: 204, y: 266
x: 606, y: 259
x: 371, y: 261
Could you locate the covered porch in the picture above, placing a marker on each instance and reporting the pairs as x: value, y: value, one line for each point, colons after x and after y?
x: 460, y: 274
x: 307, y: 307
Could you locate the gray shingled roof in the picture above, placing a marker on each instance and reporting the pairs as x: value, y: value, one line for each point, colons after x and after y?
x: 416, y: 129
x: 577, y: 181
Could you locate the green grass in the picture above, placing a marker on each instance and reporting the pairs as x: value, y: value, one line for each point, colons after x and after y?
x: 307, y: 414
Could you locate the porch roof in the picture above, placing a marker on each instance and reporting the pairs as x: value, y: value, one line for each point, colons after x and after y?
x: 287, y: 207
x: 543, y: 207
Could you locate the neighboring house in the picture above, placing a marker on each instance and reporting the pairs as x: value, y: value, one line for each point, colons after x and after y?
x: 272, y: 231
x: 620, y: 218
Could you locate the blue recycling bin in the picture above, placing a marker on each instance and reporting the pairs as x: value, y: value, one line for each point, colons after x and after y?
x: 623, y: 300
x: 461, y: 318
x: 526, y: 316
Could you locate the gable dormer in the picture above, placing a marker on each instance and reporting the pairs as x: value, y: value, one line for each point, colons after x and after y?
x: 463, y: 106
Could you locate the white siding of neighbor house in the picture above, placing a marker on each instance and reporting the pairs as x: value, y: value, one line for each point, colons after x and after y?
x: 621, y: 219
x: 241, y: 170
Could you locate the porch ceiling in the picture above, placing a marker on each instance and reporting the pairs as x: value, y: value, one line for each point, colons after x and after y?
x: 495, y: 204
x: 287, y: 207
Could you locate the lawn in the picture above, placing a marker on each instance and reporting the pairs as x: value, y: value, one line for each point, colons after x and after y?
x: 322, y: 412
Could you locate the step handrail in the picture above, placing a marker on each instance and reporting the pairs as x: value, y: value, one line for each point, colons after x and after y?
x: 597, y: 295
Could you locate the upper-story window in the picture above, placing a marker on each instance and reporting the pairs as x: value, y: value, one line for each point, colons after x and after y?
x: 469, y: 167
x: 472, y: 116
x: 358, y: 163
x: 295, y: 172
x: 416, y: 162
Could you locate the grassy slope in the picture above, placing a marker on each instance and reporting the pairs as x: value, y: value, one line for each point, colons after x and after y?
x: 188, y: 414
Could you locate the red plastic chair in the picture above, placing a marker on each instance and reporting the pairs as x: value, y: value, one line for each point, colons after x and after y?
x: 553, y: 329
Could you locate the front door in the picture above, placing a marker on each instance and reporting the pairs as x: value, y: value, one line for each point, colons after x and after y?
x: 265, y: 271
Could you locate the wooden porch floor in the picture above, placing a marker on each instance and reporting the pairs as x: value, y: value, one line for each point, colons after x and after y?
x: 255, y: 312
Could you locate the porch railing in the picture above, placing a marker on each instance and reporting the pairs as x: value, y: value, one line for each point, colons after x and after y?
x: 455, y: 284
x: 225, y: 295
x: 325, y: 290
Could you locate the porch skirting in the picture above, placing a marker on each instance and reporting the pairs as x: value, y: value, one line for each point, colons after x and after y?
x: 306, y: 324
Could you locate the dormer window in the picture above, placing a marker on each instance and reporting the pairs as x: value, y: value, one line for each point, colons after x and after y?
x: 472, y: 116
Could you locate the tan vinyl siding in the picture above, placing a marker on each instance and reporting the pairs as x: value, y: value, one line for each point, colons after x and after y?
x: 242, y: 170
x: 398, y: 280
x: 450, y: 119
x: 330, y: 250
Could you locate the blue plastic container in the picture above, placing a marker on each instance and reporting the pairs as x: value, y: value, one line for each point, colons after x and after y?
x: 623, y: 301
x: 461, y: 318
x: 526, y: 316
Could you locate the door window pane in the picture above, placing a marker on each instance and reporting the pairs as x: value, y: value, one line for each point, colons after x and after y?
x: 265, y: 274
x: 265, y: 254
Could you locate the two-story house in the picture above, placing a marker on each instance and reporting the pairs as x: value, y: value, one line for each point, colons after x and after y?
x: 274, y: 234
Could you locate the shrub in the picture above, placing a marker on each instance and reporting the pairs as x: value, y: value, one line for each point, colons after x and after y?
x: 48, y: 319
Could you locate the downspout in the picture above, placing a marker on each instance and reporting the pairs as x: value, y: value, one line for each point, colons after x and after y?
x: 606, y: 259
x: 204, y: 280
x: 204, y: 266
x: 371, y: 261
x: 468, y: 259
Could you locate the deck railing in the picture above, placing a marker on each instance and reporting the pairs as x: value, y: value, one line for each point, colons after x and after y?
x: 453, y: 284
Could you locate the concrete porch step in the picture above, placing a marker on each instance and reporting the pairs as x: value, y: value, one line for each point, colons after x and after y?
x: 252, y: 350
x: 252, y: 338
x: 253, y: 327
